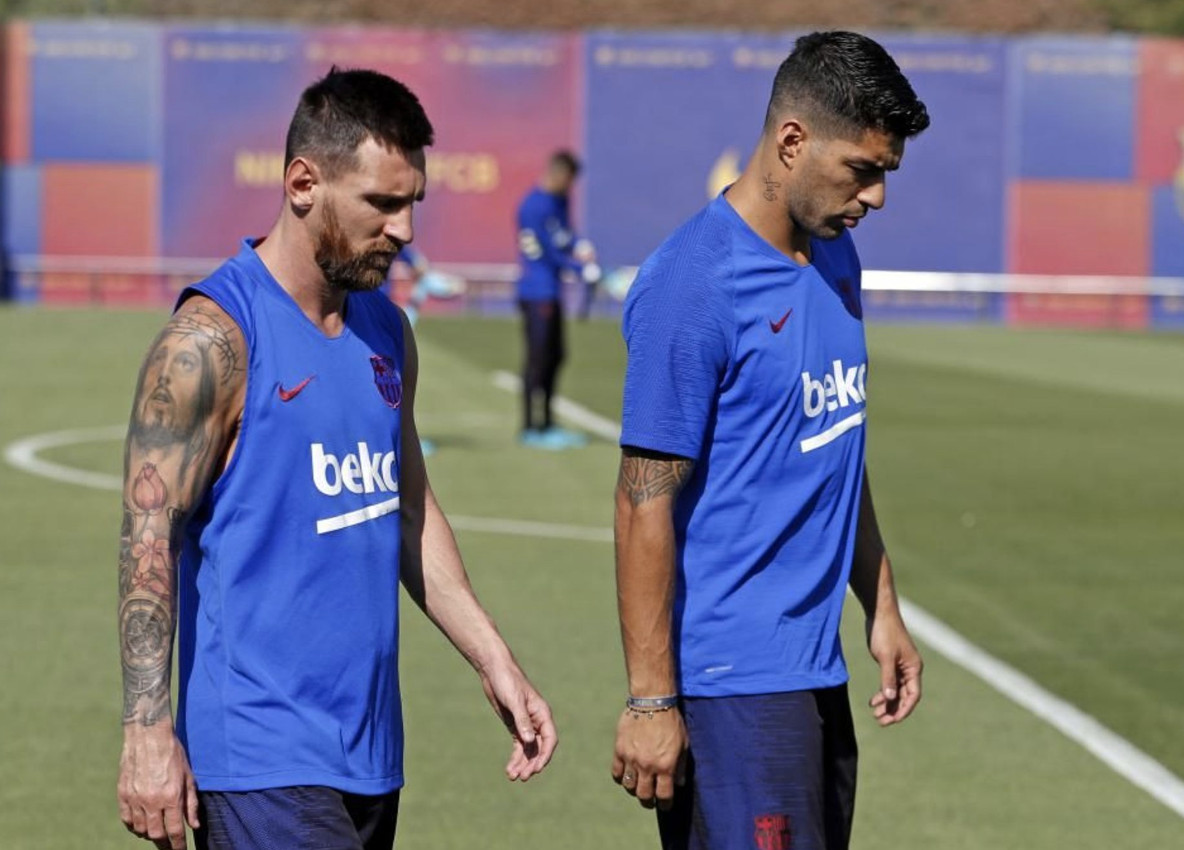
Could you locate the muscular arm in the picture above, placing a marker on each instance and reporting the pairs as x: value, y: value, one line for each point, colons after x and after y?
x: 647, y: 486
x: 888, y: 639
x: 434, y: 575
x: 183, y: 420
x: 648, y: 755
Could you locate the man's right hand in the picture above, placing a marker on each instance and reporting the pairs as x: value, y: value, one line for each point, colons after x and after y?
x: 157, y: 794
x: 650, y: 755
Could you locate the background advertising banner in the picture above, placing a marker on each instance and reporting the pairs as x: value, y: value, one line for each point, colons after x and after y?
x: 944, y: 208
x: 1073, y: 108
x: 95, y: 91
x: 671, y: 120
x: 501, y: 104
x: 228, y: 97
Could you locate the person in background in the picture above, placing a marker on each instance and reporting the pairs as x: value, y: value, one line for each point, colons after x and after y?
x: 548, y: 252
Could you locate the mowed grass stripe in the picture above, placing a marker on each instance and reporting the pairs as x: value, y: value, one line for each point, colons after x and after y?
x: 1044, y: 523
x: 972, y: 771
x: 1139, y: 365
x: 1114, y: 751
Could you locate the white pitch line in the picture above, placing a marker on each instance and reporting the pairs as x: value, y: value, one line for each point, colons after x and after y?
x: 1114, y: 751
x: 23, y: 454
x: 592, y: 534
x: 574, y: 413
x: 1117, y: 753
x: 1107, y: 746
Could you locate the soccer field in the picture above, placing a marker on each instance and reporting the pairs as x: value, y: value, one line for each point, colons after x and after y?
x: 1031, y: 489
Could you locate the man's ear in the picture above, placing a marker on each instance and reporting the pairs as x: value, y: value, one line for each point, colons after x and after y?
x: 790, y: 138
x: 302, y: 178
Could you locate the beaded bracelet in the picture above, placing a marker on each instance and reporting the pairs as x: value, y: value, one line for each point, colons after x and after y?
x: 656, y: 703
x: 649, y: 706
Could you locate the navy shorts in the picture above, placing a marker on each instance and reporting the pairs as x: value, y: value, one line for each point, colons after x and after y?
x: 766, y: 772
x: 301, y: 818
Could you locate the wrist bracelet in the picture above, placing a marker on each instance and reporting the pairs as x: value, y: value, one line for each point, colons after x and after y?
x: 652, y: 703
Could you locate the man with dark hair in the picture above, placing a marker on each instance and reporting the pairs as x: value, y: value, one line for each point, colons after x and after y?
x: 742, y: 507
x: 548, y: 250
x: 275, y: 497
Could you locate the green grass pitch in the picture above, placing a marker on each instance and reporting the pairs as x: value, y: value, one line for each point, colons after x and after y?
x: 1031, y: 489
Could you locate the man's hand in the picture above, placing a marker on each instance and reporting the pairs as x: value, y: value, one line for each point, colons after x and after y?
x: 526, y: 715
x: 157, y: 794
x: 900, y: 669
x: 650, y: 755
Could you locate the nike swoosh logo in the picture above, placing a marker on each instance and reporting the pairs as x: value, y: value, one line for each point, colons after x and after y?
x: 288, y: 395
x: 778, y: 325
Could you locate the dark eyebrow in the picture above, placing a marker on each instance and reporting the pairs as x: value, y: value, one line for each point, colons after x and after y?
x: 863, y: 162
x: 385, y: 198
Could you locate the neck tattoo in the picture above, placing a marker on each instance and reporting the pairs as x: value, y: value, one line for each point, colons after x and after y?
x: 771, y: 187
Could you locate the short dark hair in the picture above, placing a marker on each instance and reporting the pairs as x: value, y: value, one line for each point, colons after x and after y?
x: 344, y: 108
x: 846, y: 84
x: 566, y: 160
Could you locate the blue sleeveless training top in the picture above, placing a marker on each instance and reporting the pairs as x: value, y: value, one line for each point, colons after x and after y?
x: 288, y: 610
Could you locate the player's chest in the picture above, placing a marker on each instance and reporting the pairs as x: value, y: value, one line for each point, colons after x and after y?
x: 302, y: 385
x: 787, y: 332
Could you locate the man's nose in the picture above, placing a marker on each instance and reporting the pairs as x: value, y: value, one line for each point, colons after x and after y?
x: 400, y: 227
x: 873, y: 195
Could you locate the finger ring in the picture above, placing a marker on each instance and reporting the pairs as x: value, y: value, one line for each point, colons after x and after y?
x: 628, y: 777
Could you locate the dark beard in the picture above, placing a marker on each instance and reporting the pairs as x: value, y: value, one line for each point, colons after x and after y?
x: 357, y: 273
x: 345, y: 271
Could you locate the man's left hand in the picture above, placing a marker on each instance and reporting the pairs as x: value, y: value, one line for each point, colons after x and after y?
x: 528, y: 717
x: 900, y: 669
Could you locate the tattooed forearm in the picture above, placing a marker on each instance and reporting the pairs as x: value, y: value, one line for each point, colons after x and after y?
x: 181, y: 424
x: 644, y: 477
x: 146, y: 639
x: 771, y: 187
x: 126, y: 562
x: 147, y: 594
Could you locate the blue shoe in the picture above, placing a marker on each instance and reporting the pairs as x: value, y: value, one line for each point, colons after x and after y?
x: 546, y: 440
x: 532, y: 438
x: 565, y: 439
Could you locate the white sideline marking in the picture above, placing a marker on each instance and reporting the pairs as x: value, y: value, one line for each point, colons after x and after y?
x: 336, y: 523
x: 833, y: 432
x: 532, y: 529
x: 1114, y: 751
x: 1111, y: 749
x: 574, y: 413
x: 23, y: 455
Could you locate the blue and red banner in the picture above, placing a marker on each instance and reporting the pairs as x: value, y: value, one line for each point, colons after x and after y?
x: 1046, y: 155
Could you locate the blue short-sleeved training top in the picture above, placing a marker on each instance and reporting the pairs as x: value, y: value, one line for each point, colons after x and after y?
x: 756, y: 368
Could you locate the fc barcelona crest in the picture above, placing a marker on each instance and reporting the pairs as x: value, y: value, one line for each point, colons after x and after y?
x: 388, y: 380
x: 772, y: 832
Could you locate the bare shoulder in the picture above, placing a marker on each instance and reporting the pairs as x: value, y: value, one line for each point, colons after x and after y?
x: 192, y: 382
x: 201, y: 323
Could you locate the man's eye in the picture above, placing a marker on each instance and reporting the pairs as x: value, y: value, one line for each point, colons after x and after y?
x: 187, y: 362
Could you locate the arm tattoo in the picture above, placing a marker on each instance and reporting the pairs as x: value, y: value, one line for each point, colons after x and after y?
x: 771, y: 187
x: 125, y: 552
x: 146, y: 632
x: 173, y: 449
x: 645, y: 477
x: 210, y: 331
